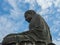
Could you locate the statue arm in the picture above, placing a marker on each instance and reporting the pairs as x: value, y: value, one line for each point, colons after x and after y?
x: 39, y: 23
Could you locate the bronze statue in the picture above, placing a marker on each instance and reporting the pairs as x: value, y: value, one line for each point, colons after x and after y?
x: 38, y: 33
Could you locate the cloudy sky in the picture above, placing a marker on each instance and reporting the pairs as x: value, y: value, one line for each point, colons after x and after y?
x: 12, y: 16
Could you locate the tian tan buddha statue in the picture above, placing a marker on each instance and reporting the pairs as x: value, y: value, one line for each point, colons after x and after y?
x: 38, y: 33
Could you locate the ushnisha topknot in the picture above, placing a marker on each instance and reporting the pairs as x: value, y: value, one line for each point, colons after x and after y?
x: 30, y: 12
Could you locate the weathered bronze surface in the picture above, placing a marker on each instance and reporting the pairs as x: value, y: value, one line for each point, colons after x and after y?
x: 38, y: 34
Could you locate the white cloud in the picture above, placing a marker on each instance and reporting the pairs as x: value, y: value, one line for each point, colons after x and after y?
x: 16, y: 12
x: 55, y: 26
x: 58, y: 16
x: 8, y: 26
x: 57, y: 3
x: 54, y: 29
x: 58, y: 10
x: 47, y: 3
x: 32, y: 4
x: 59, y: 34
x: 58, y: 39
x: 28, y: 1
x: 8, y: 23
x: 56, y: 42
x: 44, y: 3
x: 13, y: 4
x: 56, y: 22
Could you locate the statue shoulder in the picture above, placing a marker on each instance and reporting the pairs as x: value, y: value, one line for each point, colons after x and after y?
x: 10, y: 35
x: 37, y: 16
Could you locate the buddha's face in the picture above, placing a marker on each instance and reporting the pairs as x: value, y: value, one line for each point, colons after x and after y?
x: 28, y: 17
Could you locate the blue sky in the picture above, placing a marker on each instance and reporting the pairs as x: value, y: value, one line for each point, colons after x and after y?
x: 12, y: 16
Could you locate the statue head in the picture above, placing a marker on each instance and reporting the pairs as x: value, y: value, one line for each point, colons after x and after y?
x: 29, y: 15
